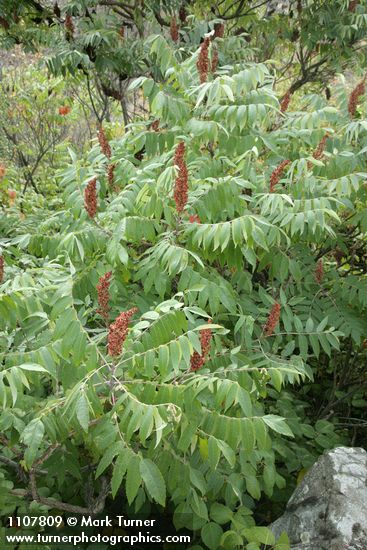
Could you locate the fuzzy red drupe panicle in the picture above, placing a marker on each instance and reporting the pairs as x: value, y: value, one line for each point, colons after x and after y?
x: 103, y: 142
x: 285, y: 102
x: 111, y: 174
x: 203, y: 60
x: 197, y: 360
x: 118, y: 331
x: 181, y: 182
x: 272, y: 320
x: 319, y: 271
x: 218, y: 30
x: 69, y: 25
x: 319, y: 151
x: 103, y: 291
x: 1, y: 268
x: 90, y: 197
x: 277, y: 174
x: 174, y: 30
x: 355, y: 95
x: 215, y: 59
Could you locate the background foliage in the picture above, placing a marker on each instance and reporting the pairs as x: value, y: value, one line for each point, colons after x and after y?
x: 229, y: 208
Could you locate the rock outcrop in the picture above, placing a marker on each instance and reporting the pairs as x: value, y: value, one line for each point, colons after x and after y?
x: 328, y: 510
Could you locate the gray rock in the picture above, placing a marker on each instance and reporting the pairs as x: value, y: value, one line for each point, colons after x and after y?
x: 328, y: 510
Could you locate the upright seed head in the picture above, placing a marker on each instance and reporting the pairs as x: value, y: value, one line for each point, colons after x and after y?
x: 355, y: 95
x: 118, y: 331
x: 215, y: 59
x: 174, y: 30
x: 205, y: 338
x: 319, y: 151
x: 90, y: 197
x: 197, y: 360
x: 180, y: 192
x: 111, y: 174
x: 69, y: 25
x: 103, y: 142
x: 1, y: 268
x: 218, y: 30
x: 103, y: 292
x: 203, y: 60
x: 319, y: 271
x: 284, y: 104
x: 277, y: 174
x: 273, y: 319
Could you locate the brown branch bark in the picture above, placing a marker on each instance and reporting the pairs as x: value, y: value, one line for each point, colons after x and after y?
x: 96, y: 506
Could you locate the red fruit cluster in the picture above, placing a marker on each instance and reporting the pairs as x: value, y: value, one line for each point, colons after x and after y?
x: 284, y: 104
x: 111, y: 173
x: 90, y: 197
x: 355, y: 95
x: 218, y: 30
x: 194, y: 219
x: 122, y: 32
x: 103, y: 289
x: 197, y: 360
x: 277, y: 174
x: 319, y: 151
x: 174, y: 29
x: 272, y: 320
x: 205, y: 338
x: 352, y: 5
x: 118, y: 331
x: 319, y: 271
x: 155, y: 125
x: 103, y: 142
x: 69, y: 25
x: 64, y: 110
x: 202, y: 63
x: 1, y: 269
x: 181, y: 183
x: 182, y: 14
x: 215, y: 59
x: 2, y: 170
